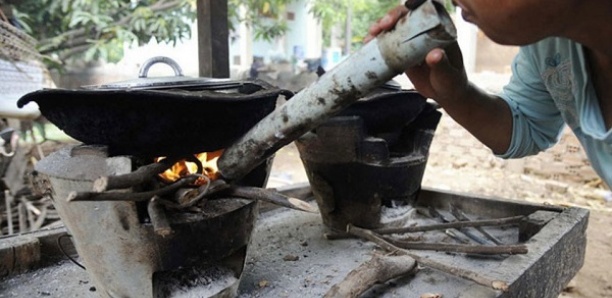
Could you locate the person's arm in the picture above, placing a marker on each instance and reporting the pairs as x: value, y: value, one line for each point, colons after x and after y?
x: 442, y: 78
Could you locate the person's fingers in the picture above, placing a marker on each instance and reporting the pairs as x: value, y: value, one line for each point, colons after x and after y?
x: 389, y: 20
x: 453, y: 52
x: 385, y: 23
x: 434, y: 57
x: 419, y: 76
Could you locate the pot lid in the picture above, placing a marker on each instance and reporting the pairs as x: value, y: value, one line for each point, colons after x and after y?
x: 165, y: 82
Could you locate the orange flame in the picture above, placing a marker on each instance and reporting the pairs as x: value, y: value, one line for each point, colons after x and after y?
x: 184, y: 168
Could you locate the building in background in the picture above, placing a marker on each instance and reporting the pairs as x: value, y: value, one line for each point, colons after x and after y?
x: 303, y: 41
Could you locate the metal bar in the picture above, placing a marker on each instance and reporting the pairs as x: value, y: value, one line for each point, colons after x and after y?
x: 213, y: 42
x: 374, y: 64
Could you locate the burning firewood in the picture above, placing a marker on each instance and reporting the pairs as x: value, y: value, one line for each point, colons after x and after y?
x: 131, y: 196
x: 246, y: 192
x: 187, y: 198
x: 139, y: 176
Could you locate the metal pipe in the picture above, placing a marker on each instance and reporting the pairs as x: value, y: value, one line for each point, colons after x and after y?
x: 423, y: 29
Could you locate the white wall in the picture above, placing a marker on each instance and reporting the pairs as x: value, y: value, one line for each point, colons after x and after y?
x: 467, y: 39
x: 305, y: 31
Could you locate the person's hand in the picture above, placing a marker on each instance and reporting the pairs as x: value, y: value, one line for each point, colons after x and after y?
x: 386, y: 23
x: 441, y: 76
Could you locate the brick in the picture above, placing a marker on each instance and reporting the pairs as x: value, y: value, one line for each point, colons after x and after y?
x: 18, y: 254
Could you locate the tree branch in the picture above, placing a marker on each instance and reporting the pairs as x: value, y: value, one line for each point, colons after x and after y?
x: 81, y: 34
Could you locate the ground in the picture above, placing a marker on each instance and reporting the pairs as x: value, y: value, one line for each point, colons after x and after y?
x: 595, y: 277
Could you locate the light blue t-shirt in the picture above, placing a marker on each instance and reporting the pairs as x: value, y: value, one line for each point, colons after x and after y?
x: 550, y: 86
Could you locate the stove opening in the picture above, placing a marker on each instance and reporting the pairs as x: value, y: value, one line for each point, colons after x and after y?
x: 204, y: 163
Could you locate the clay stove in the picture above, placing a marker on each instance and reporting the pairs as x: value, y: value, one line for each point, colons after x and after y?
x: 371, y: 155
x: 118, y: 241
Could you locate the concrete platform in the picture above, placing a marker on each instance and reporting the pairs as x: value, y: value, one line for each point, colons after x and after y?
x: 288, y: 257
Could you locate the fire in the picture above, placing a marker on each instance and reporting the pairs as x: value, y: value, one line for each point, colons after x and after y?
x: 184, y: 168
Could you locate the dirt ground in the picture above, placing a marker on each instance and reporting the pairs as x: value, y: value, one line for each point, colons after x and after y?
x: 595, y: 277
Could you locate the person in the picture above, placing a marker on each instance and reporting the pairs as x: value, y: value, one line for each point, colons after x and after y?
x: 256, y: 66
x: 561, y: 74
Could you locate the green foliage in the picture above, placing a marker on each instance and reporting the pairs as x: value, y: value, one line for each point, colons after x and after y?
x: 92, y: 30
x: 365, y: 13
x: 265, y: 17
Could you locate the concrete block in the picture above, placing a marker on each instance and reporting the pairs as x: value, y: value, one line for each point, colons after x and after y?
x: 18, y: 254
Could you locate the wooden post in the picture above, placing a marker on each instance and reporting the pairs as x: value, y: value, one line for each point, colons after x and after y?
x: 213, y: 42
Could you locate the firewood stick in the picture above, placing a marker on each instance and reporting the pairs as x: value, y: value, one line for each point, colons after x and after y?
x: 29, y: 212
x: 130, y: 196
x: 31, y: 207
x: 194, y: 159
x: 158, y: 217
x: 452, y: 225
x: 266, y: 195
x: 461, y: 248
x: 140, y: 176
x: 204, y: 191
x: 460, y: 272
x: 188, y: 198
x: 8, y: 199
x: 22, y: 217
x: 183, y: 195
x: 40, y: 220
x: 379, y: 269
x: 337, y: 236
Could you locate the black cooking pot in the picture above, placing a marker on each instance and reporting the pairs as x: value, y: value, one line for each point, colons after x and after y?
x: 158, y: 116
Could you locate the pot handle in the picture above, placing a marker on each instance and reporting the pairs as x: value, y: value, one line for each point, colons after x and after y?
x: 144, y: 69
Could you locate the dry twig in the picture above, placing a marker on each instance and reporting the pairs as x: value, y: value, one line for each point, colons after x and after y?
x: 461, y: 248
x: 266, y: 195
x: 131, y: 196
x: 137, y: 177
x: 460, y: 272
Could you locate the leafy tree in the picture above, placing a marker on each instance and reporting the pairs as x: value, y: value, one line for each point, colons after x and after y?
x: 97, y: 29
x: 265, y: 17
x: 90, y: 30
x: 364, y: 13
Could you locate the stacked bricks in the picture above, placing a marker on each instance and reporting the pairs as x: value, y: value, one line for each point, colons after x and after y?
x: 565, y: 162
